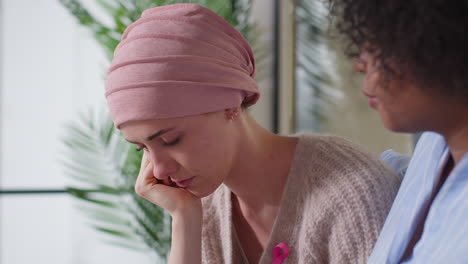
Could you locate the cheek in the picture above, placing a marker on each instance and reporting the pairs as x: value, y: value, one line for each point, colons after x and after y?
x: 389, y: 119
x: 397, y: 114
x: 371, y: 82
x: 208, y: 162
x: 206, y: 156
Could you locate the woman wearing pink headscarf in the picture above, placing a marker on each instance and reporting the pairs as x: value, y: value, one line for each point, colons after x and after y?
x: 178, y: 87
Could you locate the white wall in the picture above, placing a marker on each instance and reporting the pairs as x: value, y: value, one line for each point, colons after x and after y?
x: 50, y: 70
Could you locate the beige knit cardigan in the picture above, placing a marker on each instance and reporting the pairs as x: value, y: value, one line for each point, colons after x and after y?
x: 332, y: 209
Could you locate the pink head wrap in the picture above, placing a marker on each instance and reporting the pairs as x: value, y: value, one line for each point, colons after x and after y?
x: 179, y: 60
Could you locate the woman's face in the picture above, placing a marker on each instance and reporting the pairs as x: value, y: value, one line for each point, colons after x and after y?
x: 402, y: 106
x: 194, y: 152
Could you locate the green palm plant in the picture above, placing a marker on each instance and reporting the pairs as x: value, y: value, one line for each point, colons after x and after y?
x: 105, y: 166
x: 314, y: 89
x: 124, y: 12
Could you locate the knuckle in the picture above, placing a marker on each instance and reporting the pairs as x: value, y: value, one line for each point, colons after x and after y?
x: 139, y: 189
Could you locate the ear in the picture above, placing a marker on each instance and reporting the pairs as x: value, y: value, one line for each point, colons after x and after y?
x: 232, y: 113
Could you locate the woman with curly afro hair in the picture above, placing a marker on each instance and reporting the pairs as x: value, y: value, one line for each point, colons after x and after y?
x: 414, y: 58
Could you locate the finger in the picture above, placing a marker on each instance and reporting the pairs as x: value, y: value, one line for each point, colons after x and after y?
x: 166, y: 182
x: 150, y: 179
x: 144, y: 161
x: 145, y: 158
x: 171, y: 183
x: 148, y: 187
x: 165, y: 196
x: 145, y: 180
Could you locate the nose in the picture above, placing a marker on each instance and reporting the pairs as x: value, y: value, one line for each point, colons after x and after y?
x: 163, y: 166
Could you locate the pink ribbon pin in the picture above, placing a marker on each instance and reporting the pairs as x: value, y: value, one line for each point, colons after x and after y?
x: 280, y: 253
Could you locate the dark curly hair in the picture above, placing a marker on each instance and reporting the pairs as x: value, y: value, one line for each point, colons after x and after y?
x: 426, y: 39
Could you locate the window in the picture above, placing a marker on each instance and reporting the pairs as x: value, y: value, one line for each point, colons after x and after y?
x: 50, y: 70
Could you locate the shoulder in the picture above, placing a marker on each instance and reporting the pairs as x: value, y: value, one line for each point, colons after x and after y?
x: 338, y: 156
x: 336, y: 174
x: 347, y: 191
x: 340, y: 165
x: 336, y: 171
x: 330, y: 146
x: 346, y: 167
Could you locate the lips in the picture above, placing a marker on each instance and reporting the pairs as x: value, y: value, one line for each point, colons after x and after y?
x: 184, y: 183
x: 373, y: 100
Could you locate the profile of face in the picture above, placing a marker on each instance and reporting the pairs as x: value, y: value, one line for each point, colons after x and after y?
x: 402, y: 105
x: 194, y: 152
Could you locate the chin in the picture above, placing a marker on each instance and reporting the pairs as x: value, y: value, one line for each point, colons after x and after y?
x: 199, y: 194
x: 205, y: 192
x: 391, y: 123
x: 400, y: 127
x: 394, y: 128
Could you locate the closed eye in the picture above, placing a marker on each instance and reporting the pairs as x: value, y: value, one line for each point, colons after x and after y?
x: 140, y: 148
x: 172, y: 143
x: 165, y: 144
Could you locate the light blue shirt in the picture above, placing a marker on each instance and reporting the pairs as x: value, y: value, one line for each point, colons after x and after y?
x: 397, y: 162
x: 445, y: 235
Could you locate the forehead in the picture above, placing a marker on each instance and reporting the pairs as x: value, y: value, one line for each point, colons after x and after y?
x: 143, y: 127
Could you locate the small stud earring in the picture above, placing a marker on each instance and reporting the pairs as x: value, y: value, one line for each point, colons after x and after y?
x: 232, y: 114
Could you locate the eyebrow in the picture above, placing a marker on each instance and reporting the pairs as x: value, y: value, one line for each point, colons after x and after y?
x: 155, y: 135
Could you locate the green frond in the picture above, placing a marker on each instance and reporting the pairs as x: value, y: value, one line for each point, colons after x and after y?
x: 314, y: 87
x: 126, y: 244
